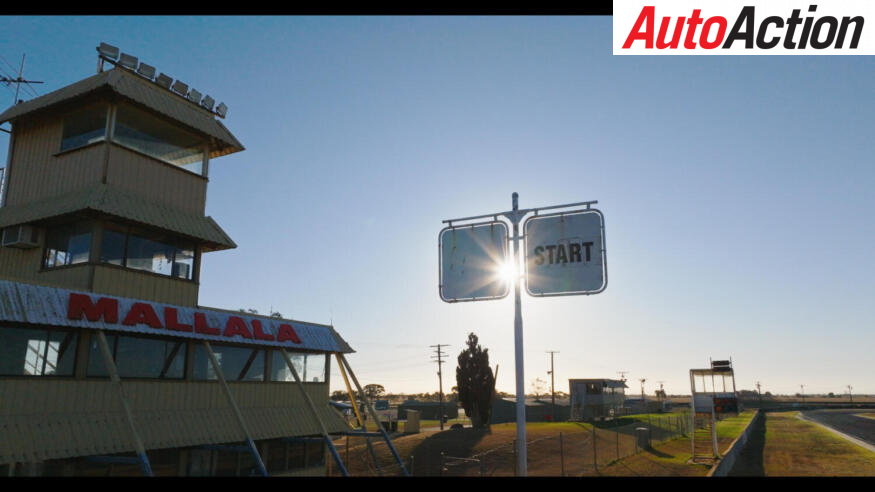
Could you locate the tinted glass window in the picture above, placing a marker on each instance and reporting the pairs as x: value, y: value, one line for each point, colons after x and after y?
x: 67, y: 245
x: 146, y: 250
x: 279, y: 370
x: 137, y: 357
x: 236, y: 363
x: 30, y: 352
x: 84, y: 127
x: 112, y: 249
x: 150, y: 254
x: 158, y: 138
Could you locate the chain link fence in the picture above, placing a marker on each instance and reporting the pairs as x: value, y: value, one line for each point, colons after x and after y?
x: 569, y: 453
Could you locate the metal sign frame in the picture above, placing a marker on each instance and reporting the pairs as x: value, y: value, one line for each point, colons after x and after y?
x: 603, y: 252
x: 505, y: 248
x: 515, y: 216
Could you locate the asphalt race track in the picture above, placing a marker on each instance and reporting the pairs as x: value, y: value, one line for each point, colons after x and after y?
x: 844, y: 420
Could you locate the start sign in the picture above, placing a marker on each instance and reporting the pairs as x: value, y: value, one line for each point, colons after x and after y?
x: 565, y: 254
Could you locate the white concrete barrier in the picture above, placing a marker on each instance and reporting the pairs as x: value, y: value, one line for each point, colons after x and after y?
x: 724, y: 466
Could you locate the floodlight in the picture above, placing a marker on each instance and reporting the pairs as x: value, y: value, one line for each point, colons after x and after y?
x: 107, y: 51
x: 221, y: 110
x: 180, y: 87
x: 128, y: 61
x: 194, y: 96
x: 164, y: 81
x: 147, y: 71
x: 208, y: 102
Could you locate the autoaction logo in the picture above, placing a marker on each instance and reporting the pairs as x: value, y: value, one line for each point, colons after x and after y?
x: 739, y: 27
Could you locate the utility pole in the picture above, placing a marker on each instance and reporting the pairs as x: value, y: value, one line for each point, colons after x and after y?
x: 643, y: 399
x: 552, y: 388
x: 760, y: 393
x: 438, y: 357
x: 849, y: 393
x: 660, y: 395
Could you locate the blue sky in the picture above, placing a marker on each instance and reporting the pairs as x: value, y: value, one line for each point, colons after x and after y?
x: 736, y: 190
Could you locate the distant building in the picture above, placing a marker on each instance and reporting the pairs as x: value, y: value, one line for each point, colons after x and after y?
x: 429, y: 410
x: 596, y: 398
x: 537, y: 410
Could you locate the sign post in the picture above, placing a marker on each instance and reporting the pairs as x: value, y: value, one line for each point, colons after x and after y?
x: 565, y: 255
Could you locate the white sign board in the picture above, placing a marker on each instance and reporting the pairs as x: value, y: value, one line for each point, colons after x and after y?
x: 472, y: 258
x: 565, y: 254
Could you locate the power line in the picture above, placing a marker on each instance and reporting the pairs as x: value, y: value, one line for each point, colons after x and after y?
x: 20, y: 80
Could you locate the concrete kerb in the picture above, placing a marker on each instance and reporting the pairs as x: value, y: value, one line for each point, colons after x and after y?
x: 840, y: 434
x: 724, y: 466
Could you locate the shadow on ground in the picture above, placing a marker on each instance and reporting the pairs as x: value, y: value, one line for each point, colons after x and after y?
x: 453, y: 443
x: 750, y: 460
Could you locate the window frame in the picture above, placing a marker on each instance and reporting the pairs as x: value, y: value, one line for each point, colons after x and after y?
x: 113, y: 348
x: 204, y: 141
x: 144, y: 232
x: 47, y: 230
x: 264, y: 350
x: 73, y: 345
x: 106, y: 129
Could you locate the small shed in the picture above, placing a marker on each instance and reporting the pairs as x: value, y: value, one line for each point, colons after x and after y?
x: 429, y: 410
x: 596, y: 398
x: 537, y: 410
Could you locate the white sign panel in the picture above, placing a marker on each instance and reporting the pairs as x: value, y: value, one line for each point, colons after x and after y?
x: 472, y: 260
x: 565, y: 254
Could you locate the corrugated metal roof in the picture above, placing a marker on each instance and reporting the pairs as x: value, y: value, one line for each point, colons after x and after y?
x: 42, y: 305
x: 144, y: 92
x: 123, y: 204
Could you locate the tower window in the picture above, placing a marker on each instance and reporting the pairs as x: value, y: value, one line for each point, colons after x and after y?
x: 155, y: 137
x: 84, y: 127
x: 149, y: 251
x: 67, y: 245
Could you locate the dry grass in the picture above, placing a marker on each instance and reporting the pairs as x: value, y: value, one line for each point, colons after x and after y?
x: 797, y: 448
x: 671, y: 458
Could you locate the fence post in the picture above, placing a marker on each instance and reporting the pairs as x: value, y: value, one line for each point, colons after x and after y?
x: 514, y: 457
x: 595, y: 460
x: 617, y: 432
x: 561, y: 457
x: 441, y: 469
x: 411, y: 465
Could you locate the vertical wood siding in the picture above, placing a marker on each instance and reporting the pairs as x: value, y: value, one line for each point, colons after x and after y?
x: 158, y: 181
x: 43, y: 418
x: 140, y: 285
x: 36, y: 173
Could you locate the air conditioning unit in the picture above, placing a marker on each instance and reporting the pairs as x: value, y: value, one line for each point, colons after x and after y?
x: 21, y: 236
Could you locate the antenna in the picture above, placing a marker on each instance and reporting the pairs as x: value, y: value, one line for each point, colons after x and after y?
x: 18, y: 80
x: 623, y: 375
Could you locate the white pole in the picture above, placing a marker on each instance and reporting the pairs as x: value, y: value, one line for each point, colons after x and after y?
x: 518, y: 346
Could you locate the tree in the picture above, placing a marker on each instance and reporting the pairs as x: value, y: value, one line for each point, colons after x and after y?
x: 475, y: 382
x: 539, y: 387
x: 373, y: 391
x: 338, y: 396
